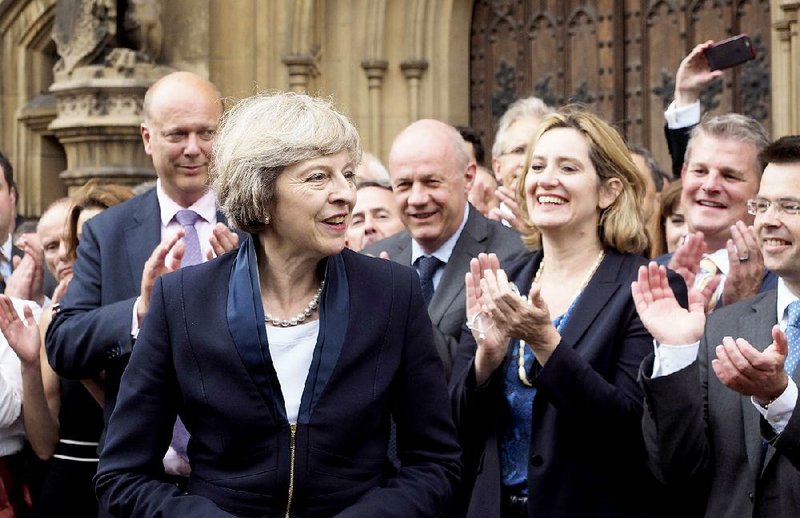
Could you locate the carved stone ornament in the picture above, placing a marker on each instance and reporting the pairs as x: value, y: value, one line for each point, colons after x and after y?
x: 82, y: 30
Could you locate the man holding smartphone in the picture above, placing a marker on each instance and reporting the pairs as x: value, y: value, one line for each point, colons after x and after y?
x: 720, y: 171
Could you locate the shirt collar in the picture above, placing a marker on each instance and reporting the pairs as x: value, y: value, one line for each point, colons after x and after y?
x: 206, y: 206
x: 720, y: 258
x: 444, y: 252
x: 6, y: 249
x: 785, y: 297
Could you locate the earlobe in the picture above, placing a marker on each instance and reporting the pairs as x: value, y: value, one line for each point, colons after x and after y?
x: 610, y: 192
x: 145, y: 132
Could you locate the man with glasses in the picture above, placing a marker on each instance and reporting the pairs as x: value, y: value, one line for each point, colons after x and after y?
x: 719, y: 411
x: 515, y: 130
x: 720, y: 173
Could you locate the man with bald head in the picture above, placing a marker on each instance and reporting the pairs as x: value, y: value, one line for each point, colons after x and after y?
x: 431, y: 177
x: 125, y: 249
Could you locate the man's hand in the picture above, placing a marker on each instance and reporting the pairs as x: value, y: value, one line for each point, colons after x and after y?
x: 510, y: 211
x: 165, y: 258
x: 686, y: 259
x: 22, y: 336
x: 27, y: 280
x: 748, y: 371
x: 660, y: 311
x: 693, y: 75
x: 222, y: 241
x: 746, y: 265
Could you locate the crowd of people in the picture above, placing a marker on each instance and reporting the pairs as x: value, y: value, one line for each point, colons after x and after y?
x: 284, y: 326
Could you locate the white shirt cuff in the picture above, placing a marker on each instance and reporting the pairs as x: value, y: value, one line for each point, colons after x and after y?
x: 682, y: 117
x: 135, y: 320
x: 672, y: 358
x: 779, y: 411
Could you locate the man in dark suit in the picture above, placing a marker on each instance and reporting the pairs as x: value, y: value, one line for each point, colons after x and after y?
x: 431, y: 178
x: 126, y: 248
x: 720, y: 412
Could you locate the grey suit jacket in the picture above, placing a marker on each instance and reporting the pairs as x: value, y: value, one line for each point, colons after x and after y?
x: 448, y: 306
x: 698, y: 431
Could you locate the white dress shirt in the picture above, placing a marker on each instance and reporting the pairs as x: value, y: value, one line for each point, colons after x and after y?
x: 12, y: 431
x: 442, y: 253
x: 682, y: 117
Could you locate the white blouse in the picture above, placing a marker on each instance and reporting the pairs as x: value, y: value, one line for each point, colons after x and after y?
x: 292, y: 349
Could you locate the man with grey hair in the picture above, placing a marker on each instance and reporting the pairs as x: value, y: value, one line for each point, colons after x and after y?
x: 431, y: 178
x: 370, y: 169
x: 127, y: 247
x: 721, y: 172
x: 514, y: 132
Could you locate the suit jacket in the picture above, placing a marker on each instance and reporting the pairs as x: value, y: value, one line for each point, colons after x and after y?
x: 677, y: 141
x: 447, y: 309
x: 91, y: 331
x: 697, y: 430
x: 203, y: 353
x: 586, y: 453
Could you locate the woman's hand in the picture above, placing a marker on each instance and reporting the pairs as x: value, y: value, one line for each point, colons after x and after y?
x: 660, y: 312
x: 23, y: 337
x: 492, y: 345
x: 516, y: 317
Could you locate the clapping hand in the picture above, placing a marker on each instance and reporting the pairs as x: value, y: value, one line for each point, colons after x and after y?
x: 745, y: 369
x: 22, y: 335
x: 165, y: 258
x: 746, y: 264
x: 491, y: 344
x: 660, y: 312
x: 686, y: 259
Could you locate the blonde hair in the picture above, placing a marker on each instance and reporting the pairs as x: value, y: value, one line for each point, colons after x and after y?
x: 621, y: 226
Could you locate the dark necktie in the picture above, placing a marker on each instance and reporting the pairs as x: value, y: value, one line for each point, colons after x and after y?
x: 427, y: 265
x: 187, y: 219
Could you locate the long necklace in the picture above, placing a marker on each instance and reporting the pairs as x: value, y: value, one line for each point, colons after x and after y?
x: 296, y: 320
x: 523, y: 375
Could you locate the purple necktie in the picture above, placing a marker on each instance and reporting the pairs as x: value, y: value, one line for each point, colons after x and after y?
x: 187, y: 218
x: 192, y: 255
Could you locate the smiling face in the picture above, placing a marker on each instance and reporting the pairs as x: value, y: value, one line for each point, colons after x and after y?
x: 718, y: 179
x: 314, y: 199
x: 508, y: 166
x: 562, y: 188
x: 430, y: 183
x: 375, y: 217
x: 183, y: 112
x: 779, y: 233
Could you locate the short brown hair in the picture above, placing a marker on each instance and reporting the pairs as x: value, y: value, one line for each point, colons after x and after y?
x: 93, y: 195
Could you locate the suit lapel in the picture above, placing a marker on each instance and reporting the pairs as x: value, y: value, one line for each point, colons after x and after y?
x: 597, y: 293
x: 451, y: 285
x: 756, y: 327
x: 143, y: 235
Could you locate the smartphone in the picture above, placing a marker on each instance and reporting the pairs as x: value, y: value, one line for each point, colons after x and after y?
x: 730, y: 52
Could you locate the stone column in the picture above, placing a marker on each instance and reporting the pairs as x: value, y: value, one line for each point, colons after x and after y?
x: 413, y: 70
x: 375, y: 70
x: 302, y: 67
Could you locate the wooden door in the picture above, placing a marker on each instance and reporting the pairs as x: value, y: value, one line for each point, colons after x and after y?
x: 618, y: 57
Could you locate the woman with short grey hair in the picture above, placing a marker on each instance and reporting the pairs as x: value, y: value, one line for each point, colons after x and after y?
x: 288, y: 359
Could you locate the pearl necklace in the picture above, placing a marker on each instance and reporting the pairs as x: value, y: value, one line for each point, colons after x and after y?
x: 523, y: 375
x: 277, y: 322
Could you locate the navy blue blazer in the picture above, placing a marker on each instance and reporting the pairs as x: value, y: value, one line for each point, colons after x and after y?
x: 91, y: 332
x: 202, y: 353
x: 586, y: 453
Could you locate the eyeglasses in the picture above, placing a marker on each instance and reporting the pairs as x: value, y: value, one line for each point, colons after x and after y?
x: 517, y: 151
x: 760, y: 206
